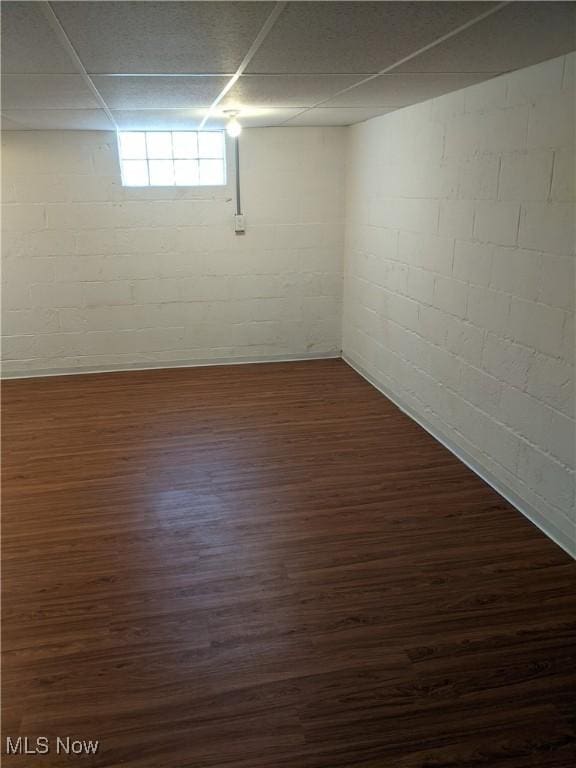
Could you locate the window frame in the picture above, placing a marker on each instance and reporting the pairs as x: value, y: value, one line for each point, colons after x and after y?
x: 173, y: 158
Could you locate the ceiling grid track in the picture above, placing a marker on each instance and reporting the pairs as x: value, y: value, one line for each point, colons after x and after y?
x: 60, y: 32
x: 410, y: 56
x: 259, y: 39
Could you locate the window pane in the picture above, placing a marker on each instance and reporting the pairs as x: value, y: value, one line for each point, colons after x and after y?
x: 135, y: 173
x: 132, y: 145
x: 161, y: 173
x: 165, y: 158
x: 185, y: 143
x: 211, y: 144
x: 211, y: 172
x: 159, y: 144
x: 186, y: 172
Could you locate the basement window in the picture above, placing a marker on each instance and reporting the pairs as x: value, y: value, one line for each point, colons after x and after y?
x: 172, y: 158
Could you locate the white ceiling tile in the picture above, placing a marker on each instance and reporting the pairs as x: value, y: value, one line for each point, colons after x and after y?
x: 29, y: 44
x: 337, y: 115
x: 46, y: 92
x: 521, y: 34
x: 355, y: 37
x: 402, y: 90
x: 162, y: 37
x: 159, y: 92
x: 288, y: 90
x: 56, y: 119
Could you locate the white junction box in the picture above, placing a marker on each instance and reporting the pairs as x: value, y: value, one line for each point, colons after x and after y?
x: 239, y: 223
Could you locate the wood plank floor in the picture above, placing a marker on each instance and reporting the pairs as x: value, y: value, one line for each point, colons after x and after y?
x: 270, y: 566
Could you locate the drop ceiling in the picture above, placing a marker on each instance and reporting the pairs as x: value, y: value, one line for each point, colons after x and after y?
x: 176, y: 65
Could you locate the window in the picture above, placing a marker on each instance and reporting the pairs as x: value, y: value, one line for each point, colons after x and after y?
x: 172, y: 158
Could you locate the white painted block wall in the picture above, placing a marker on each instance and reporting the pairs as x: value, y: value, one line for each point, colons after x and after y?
x: 97, y: 276
x: 459, y: 276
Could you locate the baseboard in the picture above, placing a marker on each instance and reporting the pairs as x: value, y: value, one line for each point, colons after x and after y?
x: 536, y: 518
x: 201, y: 363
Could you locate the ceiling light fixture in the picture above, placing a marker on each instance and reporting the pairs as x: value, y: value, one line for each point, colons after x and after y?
x: 233, y: 127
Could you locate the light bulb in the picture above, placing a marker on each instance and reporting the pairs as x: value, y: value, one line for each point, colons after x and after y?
x: 233, y: 128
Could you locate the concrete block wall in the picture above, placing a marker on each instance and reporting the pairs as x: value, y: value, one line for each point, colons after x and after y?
x: 97, y: 276
x: 459, y: 276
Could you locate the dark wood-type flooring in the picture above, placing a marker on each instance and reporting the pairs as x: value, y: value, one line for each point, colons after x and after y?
x: 270, y: 566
